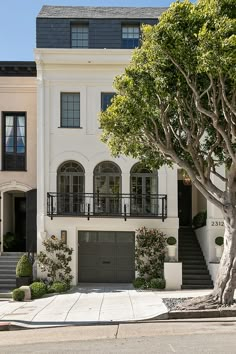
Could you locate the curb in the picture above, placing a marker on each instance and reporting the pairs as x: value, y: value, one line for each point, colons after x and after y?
x: 5, y: 326
x: 171, y: 315
x: 175, y: 315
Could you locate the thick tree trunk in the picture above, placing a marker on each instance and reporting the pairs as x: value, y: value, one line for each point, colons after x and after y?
x: 223, y: 292
x: 226, y: 279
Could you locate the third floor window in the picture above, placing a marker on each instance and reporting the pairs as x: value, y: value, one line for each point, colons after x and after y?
x: 130, y: 36
x: 79, y: 36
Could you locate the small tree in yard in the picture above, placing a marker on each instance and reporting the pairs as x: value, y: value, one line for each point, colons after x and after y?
x: 150, y: 253
x: 176, y: 103
x: 55, y: 260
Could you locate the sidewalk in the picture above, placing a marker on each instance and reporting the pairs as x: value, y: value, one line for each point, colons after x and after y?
x: 90, y: 304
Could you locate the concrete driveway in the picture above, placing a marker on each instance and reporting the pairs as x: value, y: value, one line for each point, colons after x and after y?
x: 86, y: 304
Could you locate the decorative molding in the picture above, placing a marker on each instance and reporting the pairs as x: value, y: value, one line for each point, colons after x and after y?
x: 14, y: 185
x: 86, y: 56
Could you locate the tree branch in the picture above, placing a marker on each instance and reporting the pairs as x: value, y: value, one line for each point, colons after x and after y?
x: 204, y: 111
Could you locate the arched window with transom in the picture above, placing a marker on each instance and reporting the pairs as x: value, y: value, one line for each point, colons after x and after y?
x: 70, y: 187
x: 144, y: 190
x: 107, y: 188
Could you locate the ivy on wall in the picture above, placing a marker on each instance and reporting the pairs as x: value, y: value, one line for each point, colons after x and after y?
x: 150, y: 253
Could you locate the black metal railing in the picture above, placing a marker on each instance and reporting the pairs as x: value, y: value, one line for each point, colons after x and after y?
x: 107, y: 205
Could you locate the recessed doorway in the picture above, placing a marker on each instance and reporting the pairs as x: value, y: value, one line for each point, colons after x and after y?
x: 184, y: 203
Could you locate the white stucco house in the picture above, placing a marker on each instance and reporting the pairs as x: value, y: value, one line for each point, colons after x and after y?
x: 85, y: 195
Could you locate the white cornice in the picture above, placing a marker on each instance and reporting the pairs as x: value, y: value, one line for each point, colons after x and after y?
x: 82, y: 56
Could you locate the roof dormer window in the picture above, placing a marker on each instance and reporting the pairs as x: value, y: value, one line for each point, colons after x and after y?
x: 130, y: 36
x: 79, y: 36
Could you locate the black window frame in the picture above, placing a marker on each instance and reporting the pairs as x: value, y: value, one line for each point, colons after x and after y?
x: 15, y: 157
x: 130, y: 43
x: 79, y: 25
x: 67, y: 118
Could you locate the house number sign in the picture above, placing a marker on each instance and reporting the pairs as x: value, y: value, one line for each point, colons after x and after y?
x: 217, y: 223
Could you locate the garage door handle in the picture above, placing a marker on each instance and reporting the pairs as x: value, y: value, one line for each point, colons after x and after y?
x: 106, y: 262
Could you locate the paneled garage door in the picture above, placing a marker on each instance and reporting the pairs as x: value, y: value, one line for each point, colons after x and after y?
x: 106, y: 257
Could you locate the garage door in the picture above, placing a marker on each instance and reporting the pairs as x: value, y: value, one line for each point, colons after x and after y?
x: 106, y: 257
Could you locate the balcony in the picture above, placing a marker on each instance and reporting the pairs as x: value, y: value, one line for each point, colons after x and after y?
x: 106, y: 205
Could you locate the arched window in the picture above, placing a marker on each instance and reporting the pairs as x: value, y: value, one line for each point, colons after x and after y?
x: 107, y: 187
x: 70, y: 187
x: 144, y: 190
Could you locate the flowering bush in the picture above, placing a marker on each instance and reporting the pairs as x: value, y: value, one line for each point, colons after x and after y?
x: 150, y: 253
x: 55, y: 260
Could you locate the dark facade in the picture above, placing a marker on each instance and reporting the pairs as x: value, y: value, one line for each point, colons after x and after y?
x: 54, y: 23
x: 18, y: 68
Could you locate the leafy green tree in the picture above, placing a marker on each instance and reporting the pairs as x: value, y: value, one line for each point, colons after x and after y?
x: 55, y: 260
x: 175, y: 103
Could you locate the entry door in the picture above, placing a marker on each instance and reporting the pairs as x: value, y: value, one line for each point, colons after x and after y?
x: 107, y: 189
x: 71, y: 186
x: 184, y: 204
x: 20, y: 223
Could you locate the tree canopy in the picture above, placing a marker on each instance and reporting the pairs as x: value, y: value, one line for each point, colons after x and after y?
x: 176, y: 101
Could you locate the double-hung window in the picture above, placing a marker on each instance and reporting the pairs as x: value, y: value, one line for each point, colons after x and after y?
x: 130, y: 36
x: 70, y: 110
x: 14, y: 142
x: 79, y: 36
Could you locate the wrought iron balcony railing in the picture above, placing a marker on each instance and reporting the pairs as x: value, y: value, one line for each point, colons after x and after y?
x: 107, y: 205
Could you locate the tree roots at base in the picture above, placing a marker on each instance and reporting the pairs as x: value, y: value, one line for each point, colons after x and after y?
x: 206, y: 302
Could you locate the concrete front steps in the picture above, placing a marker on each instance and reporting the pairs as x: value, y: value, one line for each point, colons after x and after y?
x: 195, y: 271
x: 8, y: 261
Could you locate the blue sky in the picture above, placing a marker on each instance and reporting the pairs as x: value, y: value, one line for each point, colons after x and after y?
x: 17, y: 22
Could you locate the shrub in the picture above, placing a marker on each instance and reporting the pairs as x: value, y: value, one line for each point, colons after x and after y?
x: 38, y: 289
x: 58, y: 287
x: 24, y: 267
x: 150, y: 253
x: 139, y: 283
x: 171, y: 241
x: 8, y: 241
x: 157, y: 283
x: 199, y: 220
x: 55, y: 260
x: 51, y: 290
x: 154, y: 283
x: 219, y: 241
x: 18, y: 295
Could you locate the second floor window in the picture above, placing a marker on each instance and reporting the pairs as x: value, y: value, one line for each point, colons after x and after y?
x: 79, y: 36
x: 130, y: 36
x: 70, y: 110
x: 106, y: 98
x: 14, y: 142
